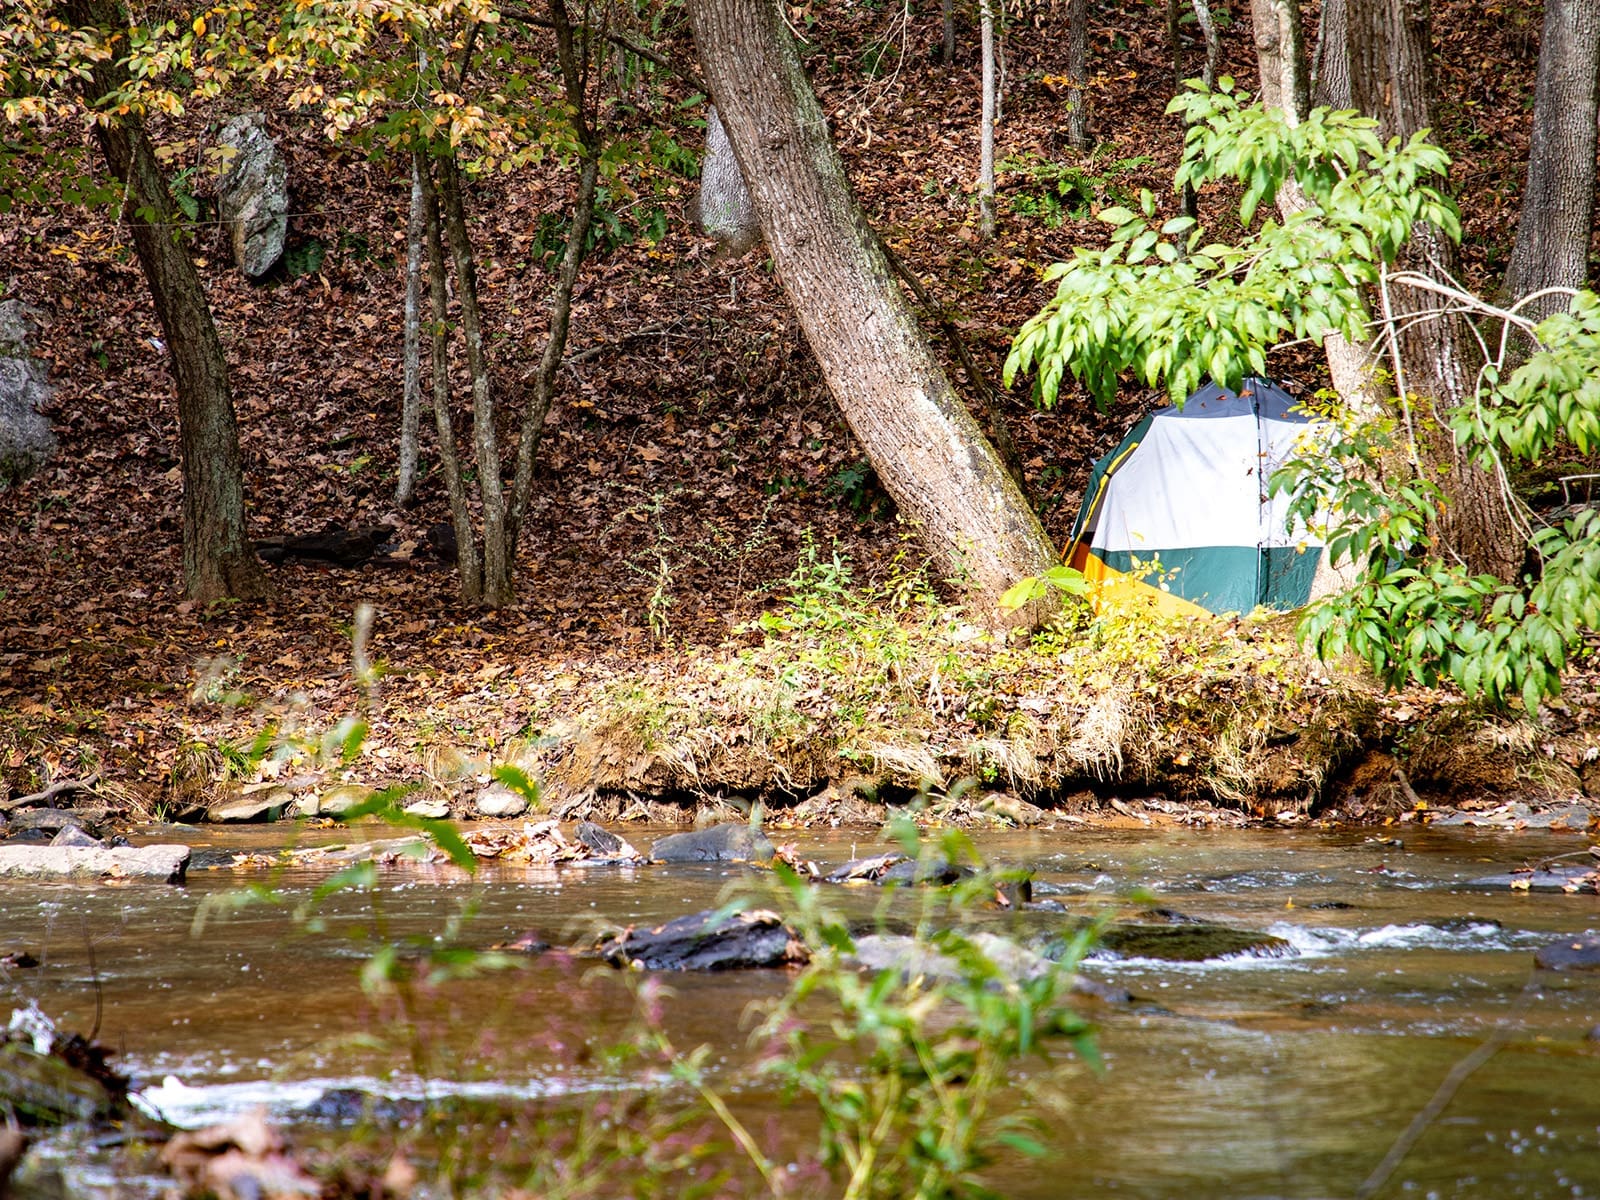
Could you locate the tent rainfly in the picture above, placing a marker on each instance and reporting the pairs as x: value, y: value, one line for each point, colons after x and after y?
x: 1178, y: 515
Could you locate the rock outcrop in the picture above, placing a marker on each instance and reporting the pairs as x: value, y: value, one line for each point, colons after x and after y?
x: 253, y: 194
x: 26, y: 441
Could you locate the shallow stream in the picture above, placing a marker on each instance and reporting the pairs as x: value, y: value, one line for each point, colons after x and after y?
x: 1246, y: 1077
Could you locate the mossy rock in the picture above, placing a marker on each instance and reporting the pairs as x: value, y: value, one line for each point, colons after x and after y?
x: 1191, y: 943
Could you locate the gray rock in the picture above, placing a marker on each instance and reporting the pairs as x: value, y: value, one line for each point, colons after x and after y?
x: 26, y: 442
x: 253, y: 194
x: 498, y: 800
x: 432, y: 810
x: 1580, y: 953
x: 73, y: 835
x: 720, y: 843
x: 933, y: 869
x: 892, y: 952
x: 259, y: 806
x: 1551, y: 879
x: 709, y: 941
x: 1518, y: 815
x: 164, y: 863
x: 337, y: 801
x: 601, y: 841
x: 47, y: 820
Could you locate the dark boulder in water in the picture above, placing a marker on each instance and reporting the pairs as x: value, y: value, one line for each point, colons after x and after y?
x: 720, y: 843
x: 709, y: 941
x: 1580, y: 953
x: 1188, y: 941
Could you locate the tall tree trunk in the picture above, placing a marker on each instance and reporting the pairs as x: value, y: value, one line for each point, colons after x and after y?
x: 947, y: 13
x: 920, y: 438
x: 1330, y: 87
x: 1391, y: 79
x: 1552, y: 248
x: 986, y: 122
x: 411, y: 368
x: 571, y: 56
x: 469, y: 569
x: 218, y: 560
x: 1280, y: 55
x: 1078, y: 74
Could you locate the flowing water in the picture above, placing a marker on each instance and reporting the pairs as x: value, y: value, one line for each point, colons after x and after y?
x: 1245, y: 1077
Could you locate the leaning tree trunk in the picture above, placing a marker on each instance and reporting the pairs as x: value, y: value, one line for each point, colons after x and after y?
x: 1552, y: 248
x: 218, y: 560
x: 920, y: 438
x: 1390, y: 75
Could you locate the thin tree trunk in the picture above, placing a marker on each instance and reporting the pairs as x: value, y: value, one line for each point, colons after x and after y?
x: 218, y: 560
x: 1390, y: 74
x: 468, y: 564
x: 920, y: 438
x: 1552, y: 247
x: 1189, y: 201
x: 499, y: 588
x: 1280, y: 58
x: 1078, y: 74
x: 555, y: 346
x: 1208, y: 30
x: 947, y: 11
x: 411, y: 388
x: 986, y: 122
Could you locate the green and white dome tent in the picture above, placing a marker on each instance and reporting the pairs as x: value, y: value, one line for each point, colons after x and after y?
x: 1178, y: 515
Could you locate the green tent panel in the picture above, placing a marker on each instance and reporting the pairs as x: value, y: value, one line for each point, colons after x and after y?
x: 1178, y: 514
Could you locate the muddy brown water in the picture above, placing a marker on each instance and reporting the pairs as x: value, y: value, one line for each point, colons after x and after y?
x: 1251, y: 1077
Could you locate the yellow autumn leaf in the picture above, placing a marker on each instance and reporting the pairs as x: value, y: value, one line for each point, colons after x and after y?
x: 199, y: 27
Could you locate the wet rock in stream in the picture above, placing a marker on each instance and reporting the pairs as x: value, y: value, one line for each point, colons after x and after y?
x: 352, y: 1106
x: 165, y: 864
x: 911, y: 957
x: 1545, y: 879
x: 1179, y: 938
x: 719, y: 843
x: 708, y: 941
x: 1570, y: 954
x: 1191, y: 942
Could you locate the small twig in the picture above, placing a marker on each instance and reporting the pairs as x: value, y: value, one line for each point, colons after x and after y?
x: 50, y: 793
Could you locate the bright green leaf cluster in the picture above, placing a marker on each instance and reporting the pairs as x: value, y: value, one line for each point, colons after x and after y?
x: 1172, y: 308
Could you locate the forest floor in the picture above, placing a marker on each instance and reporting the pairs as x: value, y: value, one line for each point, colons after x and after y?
x: 694, y: 476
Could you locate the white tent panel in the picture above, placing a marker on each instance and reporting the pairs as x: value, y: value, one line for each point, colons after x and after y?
x: 1181, y: 488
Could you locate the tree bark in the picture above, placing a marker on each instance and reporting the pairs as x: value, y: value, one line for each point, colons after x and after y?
x: 947, y: 13
x: 920, y: 438
x: 1330, y: 88
x: 986, y: 122
x: 1078, y: 74
x: 499, y: 588
x: 569, y: 58
x: 469, y: 570
x: 1391, y: 80
x: 411, y: 367
x: 218, y: 560
x: 1280, y: 55
x: 1552, y: 247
